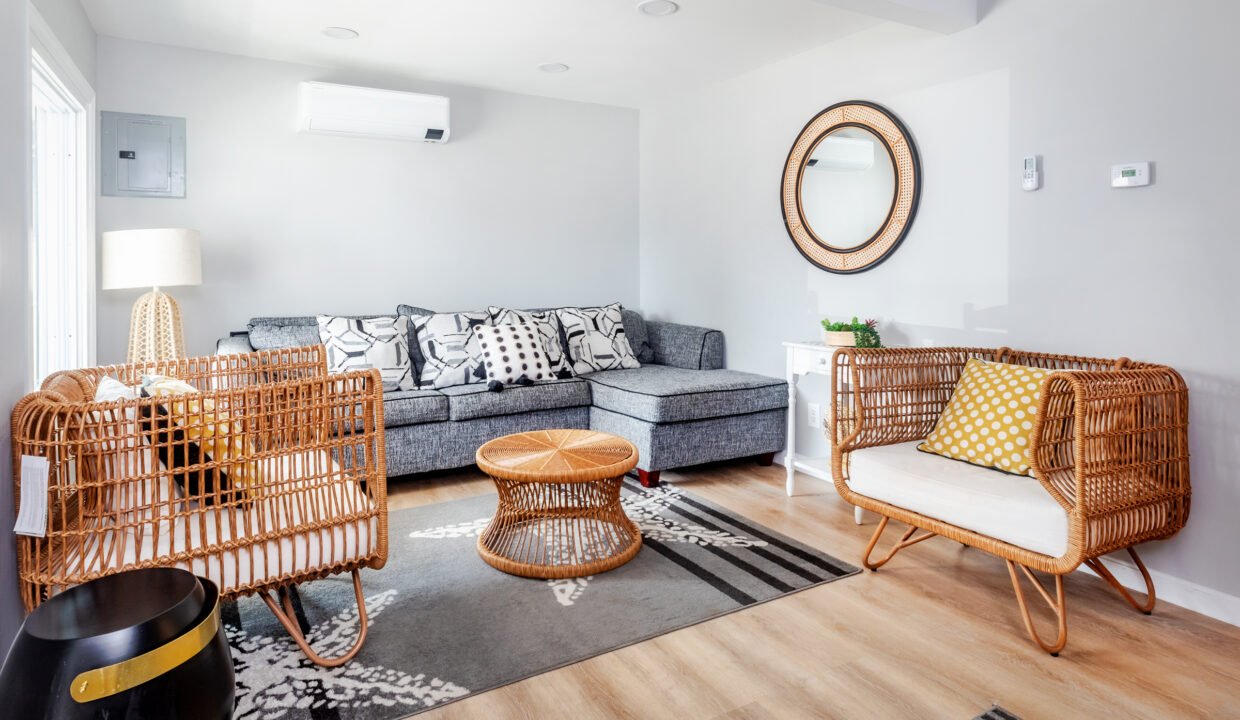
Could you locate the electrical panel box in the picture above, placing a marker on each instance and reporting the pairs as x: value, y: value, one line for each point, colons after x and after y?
x: 142, y: 155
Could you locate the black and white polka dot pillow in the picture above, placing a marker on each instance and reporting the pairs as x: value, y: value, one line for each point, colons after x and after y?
x: 511, y: 351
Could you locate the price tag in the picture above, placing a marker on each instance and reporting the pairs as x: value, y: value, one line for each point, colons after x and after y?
x: 32, y: 515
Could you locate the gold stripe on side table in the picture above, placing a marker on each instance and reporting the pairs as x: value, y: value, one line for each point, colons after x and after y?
x: 128, y: 674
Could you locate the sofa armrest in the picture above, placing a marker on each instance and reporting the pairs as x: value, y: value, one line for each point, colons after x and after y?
x: 1112, y: 447
x: 685, y: 346
x: 237, y: 343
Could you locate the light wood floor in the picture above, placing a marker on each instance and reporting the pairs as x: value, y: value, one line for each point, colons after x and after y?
x: 934, y: 634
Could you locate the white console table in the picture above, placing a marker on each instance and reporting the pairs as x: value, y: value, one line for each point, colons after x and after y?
x: 805, y: 358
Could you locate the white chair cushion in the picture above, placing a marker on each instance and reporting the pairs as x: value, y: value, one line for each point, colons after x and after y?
x: 1013, y: 508
x: 253, y: 561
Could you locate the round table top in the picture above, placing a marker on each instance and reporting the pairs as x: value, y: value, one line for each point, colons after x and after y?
x: 557, y: 456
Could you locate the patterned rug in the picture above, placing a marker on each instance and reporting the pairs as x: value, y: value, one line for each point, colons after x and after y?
x: 445, y: 625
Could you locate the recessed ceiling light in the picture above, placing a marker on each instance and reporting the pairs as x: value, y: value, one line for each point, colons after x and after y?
x: 657, y: 8
x: 340, y: 33
x: 553, y: 67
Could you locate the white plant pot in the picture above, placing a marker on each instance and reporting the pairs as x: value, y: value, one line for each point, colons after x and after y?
x: 841, y: 338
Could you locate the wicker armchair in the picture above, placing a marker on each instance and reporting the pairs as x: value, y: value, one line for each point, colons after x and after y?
x: 299, y: 493
x: 1110, y: 446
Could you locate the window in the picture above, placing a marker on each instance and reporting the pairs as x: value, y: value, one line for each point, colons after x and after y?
x: 62, y: 244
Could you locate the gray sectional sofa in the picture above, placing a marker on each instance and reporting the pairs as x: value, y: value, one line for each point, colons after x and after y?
x: 679, y: 408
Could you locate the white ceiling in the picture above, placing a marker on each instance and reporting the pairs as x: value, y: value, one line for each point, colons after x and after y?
x: 618, y: 56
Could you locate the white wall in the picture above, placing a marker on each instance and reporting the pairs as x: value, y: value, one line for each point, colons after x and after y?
x: 72, y: 28
x: 1077, y: 267
x: 533, y: 202
x: 14, y: 278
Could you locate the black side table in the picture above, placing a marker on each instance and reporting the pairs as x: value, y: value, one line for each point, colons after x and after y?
x: 138, y: 644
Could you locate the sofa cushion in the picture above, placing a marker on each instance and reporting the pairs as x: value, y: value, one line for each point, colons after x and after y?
x: 413, y: 407
x: 466, y: 402
x: 596, y: 339
x: 381, y: 343
x: 451, y: 355
x: 513, y: 353
x: 1013, y: 508
x: 415, y: 350
x: 657, y: 393
x: 547, y: 323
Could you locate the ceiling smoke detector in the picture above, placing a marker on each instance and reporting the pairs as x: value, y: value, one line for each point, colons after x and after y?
x: 657, y: 8
x: 553, y: 67
x: 340, y: 33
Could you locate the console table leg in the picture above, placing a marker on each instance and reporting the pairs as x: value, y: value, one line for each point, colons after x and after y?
x: 790, y: 459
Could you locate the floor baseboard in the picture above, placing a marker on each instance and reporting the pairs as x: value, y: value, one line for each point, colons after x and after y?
x: 1187, y: 594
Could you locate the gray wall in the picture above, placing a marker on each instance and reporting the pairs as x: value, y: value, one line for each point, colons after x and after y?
x: 1077, y: 267
x: 14, y: 280
x: 533, y: 201
x: 73, y: 29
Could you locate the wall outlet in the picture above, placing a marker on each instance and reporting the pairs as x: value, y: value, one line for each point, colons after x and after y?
x: 815, y: 415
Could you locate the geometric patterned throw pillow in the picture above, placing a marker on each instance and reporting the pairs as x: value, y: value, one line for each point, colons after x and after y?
x: 990, y: 417
x: 596, y: 339
x: 450, y: 348
x: 548, y: 326
x: 513, y: 351
x: 365, y: 343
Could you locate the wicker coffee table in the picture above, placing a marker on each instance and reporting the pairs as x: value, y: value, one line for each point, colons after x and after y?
x: 559, y: 513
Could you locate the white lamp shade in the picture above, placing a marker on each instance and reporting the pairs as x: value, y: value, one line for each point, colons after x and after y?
x: 151, y: 258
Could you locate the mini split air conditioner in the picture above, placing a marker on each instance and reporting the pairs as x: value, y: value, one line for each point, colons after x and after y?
x: 843, y: 153
x: 329, y: 109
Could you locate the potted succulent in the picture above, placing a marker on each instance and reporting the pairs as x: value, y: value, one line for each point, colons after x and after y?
x: 851, y: 334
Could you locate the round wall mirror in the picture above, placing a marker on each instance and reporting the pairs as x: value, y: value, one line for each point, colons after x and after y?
x: 851, y: 185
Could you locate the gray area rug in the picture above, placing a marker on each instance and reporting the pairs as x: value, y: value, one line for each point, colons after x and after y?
x: 445, y: 625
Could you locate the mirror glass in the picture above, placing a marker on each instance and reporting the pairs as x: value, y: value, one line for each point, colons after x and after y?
x: 848, y: 187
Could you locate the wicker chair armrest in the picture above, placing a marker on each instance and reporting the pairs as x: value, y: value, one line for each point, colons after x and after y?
x: 884, y: 396
x: 1107, y: 443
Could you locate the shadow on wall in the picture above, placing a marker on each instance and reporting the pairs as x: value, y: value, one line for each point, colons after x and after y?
x: 984, y: 327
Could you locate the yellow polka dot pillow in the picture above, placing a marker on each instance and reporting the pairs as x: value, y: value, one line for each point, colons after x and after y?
x: 187, y: 432
x: 989, y: 420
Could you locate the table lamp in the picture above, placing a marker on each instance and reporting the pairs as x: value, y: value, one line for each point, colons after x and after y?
x: 152, y: 258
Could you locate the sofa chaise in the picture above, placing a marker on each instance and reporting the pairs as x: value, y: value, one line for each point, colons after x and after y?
x: 680, y: 408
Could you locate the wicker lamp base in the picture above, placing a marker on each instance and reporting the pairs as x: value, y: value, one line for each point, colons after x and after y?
x: 155, y: 329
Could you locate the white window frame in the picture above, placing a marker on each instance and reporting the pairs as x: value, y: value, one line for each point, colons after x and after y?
x: 48, y: 50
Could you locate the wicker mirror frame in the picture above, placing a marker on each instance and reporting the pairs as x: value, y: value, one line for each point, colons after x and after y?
x: 905, y: 160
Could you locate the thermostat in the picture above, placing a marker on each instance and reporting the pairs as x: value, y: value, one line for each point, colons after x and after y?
x: 1030, y: 179
x: 1130, y: 175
